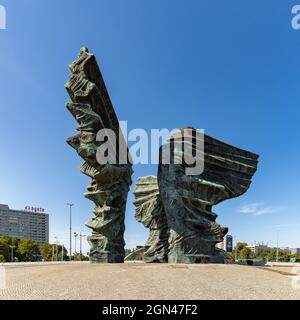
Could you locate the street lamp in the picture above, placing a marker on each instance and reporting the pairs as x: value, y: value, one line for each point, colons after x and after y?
x: 70, y: 205
x: 12, y: 252
x: 75, y: 236
x: 56, y: 248
x: 62, y: 252
x: 80, y: 237
x: 52, y: 253
x: 236, y: 248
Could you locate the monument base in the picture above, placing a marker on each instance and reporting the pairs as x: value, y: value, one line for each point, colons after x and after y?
x: 106, y: 257
x: 196, y: 258
x: 195, y: 251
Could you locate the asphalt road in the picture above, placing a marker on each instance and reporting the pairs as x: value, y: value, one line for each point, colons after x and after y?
x: 147, y: 281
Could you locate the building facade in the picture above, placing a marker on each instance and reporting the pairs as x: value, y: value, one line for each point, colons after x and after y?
x: 24, y: 224
x: 295, y: 250
x: 258, y: 249
x: 226, y: 244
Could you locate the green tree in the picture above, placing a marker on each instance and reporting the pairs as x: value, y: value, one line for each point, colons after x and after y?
x: 27, y: 249
x: 5, y: 246
x: 2, y: 259
x: 241, y: 245
x: 245, y: 253
x: 237, y: 250
x: 46, y: 251
x: 85, y: 258
x: 264, y: 255
x: 272, y: 255
x: 59, y: 252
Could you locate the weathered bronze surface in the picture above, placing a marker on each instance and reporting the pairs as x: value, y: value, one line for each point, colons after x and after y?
x: 184, y: 202
x: 93, y: 110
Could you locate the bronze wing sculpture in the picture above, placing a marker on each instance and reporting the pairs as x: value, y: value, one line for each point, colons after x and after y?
x: 185, y: 201
x: 110, y: 182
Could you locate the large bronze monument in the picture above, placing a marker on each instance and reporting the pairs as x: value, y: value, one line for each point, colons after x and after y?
x: 110, y: 182
x: 178, y: 208
x: 177, y: 204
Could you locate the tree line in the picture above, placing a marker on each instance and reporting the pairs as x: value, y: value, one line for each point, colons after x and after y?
x: 18, y: 250
x: 241, y: 252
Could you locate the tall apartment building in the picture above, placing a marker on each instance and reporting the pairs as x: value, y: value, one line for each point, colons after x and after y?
x: 226, y: 244
x: 24, y: 224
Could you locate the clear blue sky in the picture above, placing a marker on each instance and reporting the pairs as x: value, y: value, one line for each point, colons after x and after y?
x: 228, y: 67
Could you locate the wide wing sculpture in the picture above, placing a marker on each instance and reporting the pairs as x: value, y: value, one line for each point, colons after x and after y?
x: 185, y: 201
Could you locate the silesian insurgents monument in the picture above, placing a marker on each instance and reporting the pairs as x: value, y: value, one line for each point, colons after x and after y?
x: 176, y: 205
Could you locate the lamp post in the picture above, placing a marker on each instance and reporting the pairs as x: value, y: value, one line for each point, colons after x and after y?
x: 75, y: 236
x: 62, y: 252
x: 56, y: 249
x: 236, y: 249
x: 80, y: 237
x: 12, y: 253
x: 52, y: 253
x: 70, y: 205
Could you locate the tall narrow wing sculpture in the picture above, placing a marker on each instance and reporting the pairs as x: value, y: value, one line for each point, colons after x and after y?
x: 92, y: 109
x: 187, y: 200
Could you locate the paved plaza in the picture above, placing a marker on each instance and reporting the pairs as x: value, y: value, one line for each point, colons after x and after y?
x: 83, y: 280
